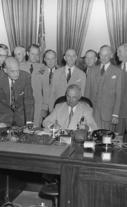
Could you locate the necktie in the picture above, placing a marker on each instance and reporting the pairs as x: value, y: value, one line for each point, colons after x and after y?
x: 50, y: 75
x: 70, y: 116
x: 31, y: 68
x: 124, y: 68
x: 13, y: 95
x: 103, y: 70
x: 69, y: 74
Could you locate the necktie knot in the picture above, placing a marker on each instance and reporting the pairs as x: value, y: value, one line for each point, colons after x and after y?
x: 68, y: 75
x: 103, y: 70
x: 31, y: 68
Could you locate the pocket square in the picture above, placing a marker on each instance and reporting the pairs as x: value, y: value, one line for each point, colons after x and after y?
x: 21, y: 93
x: 78, y: 80
x: 113, y: 76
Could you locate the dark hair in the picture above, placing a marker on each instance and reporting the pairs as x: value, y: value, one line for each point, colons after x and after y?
x: 91, y: 51
x: 33, y: 45
x: 50, y: 50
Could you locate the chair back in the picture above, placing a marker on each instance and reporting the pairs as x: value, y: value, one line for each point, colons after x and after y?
x: 62, y: 99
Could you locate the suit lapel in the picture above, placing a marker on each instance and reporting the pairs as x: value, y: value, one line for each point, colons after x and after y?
x: 6, y: 88
x: 18, y: 84
x: 97, y: 74
x: 63, y: 77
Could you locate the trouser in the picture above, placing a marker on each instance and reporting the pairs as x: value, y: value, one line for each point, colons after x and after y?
x: 121, y: 127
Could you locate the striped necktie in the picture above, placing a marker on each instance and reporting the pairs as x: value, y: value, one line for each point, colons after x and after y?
x: 50, y: 75
x: 70, y: 116
x: 68, y: 75
x: 13, y: 106
x: 103, y: 70
x: 31, y: 68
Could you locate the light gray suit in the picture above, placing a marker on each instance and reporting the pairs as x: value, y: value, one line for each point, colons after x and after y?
x: 106, y: 101
x: 36, y: 81
x: 59, y: 84
x: 61, y: 115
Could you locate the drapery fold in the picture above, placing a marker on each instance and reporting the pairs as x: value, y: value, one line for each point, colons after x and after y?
x: 72, y: 24
x: 21, y: 22
x: 116, y: 12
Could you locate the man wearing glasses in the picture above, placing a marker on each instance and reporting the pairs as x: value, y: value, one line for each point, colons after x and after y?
x: 3, y: 54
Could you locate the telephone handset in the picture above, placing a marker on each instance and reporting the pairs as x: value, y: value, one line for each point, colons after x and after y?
x: 99, y: 133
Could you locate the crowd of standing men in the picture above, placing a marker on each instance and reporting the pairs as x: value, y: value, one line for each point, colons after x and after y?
x: 38, y: 86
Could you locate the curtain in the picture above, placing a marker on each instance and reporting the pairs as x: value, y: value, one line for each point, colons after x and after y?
x: 72, y: 24
x: 116, y: 12
x: 41, y: 32
x: 21, y: 22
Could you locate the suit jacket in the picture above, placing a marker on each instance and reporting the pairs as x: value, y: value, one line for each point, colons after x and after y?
x: 36, y: 80
x: 111, y: 90
x: 61, y: 115
x: 23, y: 97
x: 59, y: 84
x: 123, y: 107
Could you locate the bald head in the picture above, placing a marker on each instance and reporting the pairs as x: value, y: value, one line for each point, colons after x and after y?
x: 105, y: 54
x: 20, y: 53
x: 70, y: 57
x: 12, y: 68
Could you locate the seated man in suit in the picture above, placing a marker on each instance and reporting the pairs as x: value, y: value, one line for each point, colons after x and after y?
x: 68, y: 115
x: 16, y: 94
x: 3, y: 54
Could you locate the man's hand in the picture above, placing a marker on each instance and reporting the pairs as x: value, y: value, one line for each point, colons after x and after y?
x: 55, y: 126
x: 115, y: 120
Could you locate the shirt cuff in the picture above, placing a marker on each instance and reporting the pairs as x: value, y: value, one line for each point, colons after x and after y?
x: 29, y: 122
x: 114, y: 115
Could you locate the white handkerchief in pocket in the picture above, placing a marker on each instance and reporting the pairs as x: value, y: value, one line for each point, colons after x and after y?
x: 21, y: 93
x: 78, y: 80
x: 113, y: 77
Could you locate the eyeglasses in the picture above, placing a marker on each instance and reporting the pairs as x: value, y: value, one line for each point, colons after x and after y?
x: 3, y: 56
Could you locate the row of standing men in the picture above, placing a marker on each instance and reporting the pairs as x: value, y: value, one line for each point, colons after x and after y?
x: 106, y: 90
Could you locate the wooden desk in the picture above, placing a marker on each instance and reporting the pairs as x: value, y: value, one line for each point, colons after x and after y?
x: 92, y: 182
x: 85, y: 182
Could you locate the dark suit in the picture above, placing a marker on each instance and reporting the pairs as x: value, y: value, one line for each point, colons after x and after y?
x: 23, y: 98
x: 105, y: 94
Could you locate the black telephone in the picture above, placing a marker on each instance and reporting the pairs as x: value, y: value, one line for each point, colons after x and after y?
x: 99, y: 133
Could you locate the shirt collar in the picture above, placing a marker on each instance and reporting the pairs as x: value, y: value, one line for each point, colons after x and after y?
x: 106, y: 65
x: 74, y: 108
x: 53, y: 69
x: 122, y: 65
